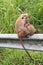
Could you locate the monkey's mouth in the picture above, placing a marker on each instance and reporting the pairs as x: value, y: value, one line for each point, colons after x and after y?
x: 27, y: 19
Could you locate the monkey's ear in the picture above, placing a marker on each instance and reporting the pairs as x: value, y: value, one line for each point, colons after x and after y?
x: 22, y: 17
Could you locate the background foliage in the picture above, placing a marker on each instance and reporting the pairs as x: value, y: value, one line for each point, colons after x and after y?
x: 9, y: 12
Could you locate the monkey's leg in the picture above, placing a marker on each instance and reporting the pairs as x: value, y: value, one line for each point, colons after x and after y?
x: 21, y: 34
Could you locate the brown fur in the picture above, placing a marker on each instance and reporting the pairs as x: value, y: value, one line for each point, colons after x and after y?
x: 23, y: 27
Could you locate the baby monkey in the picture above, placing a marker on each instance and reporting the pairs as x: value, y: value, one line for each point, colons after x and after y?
x: 23, y: 27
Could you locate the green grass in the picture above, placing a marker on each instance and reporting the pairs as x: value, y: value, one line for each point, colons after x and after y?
x: 19, y: 57
x: 10, y: 10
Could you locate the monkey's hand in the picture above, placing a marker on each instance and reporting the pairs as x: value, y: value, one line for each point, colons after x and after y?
x: 25, y: 30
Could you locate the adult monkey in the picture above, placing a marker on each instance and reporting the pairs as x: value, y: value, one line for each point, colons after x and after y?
x: 24, y: 28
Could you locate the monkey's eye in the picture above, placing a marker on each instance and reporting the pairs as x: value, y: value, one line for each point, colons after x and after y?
x: 22, y: 17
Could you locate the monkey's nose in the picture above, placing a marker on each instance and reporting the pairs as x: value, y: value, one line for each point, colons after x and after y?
x: 27, y: 19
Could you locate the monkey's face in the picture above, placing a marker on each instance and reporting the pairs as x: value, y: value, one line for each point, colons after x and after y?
x: 25, y: 17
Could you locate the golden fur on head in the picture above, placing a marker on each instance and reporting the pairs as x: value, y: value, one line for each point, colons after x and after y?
x: 23, y: 15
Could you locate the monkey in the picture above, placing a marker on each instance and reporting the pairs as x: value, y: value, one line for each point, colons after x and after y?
x: 30, y: 28
x: 19, y: 26
x: 24, y: 28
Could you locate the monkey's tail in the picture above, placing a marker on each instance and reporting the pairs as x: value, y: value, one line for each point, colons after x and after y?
x: 26, y: 50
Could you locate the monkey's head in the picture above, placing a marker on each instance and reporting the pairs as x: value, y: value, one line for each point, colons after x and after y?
x: 24, y: 18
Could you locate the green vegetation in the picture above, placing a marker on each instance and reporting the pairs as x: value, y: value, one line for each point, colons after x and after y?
x: 9, y: 12
x: 19, y: 57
